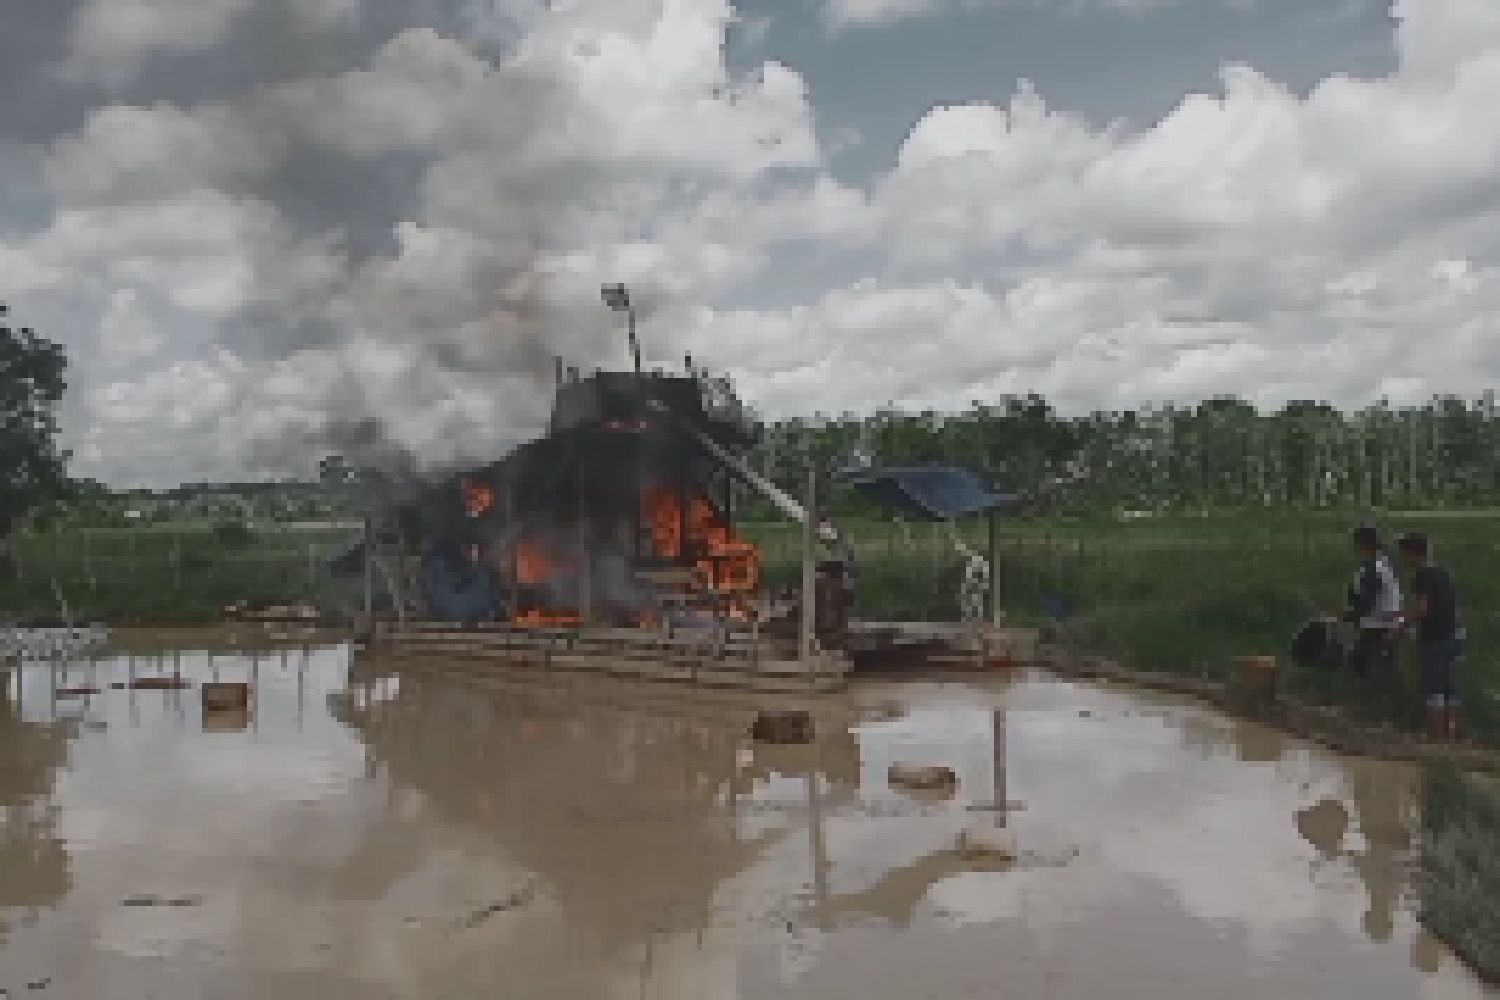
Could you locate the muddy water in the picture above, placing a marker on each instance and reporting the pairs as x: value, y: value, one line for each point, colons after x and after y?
x: 373, y: 836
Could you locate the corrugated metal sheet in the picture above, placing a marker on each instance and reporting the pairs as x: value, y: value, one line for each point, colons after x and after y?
x: 928, y: 492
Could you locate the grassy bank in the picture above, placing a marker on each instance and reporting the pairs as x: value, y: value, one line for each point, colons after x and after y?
x: 1184, y: 594
x: 1460, y: 847
x: 170, y: 573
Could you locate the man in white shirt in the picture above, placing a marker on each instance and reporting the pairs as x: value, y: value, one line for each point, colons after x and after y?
x: 1375, y: 606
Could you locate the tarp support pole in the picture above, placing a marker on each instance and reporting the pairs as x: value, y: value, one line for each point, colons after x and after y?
x: 807, y: 645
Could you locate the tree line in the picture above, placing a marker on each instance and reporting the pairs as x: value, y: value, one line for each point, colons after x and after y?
x: 1220, y: 454
x: 32, y: 467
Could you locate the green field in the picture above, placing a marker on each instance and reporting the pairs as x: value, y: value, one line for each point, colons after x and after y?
x: 165, y: 573
x: 1181, y: 594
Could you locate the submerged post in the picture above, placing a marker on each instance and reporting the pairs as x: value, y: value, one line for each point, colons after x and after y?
x: 808, y: 643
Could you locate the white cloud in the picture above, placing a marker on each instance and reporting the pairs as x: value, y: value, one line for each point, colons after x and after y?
x: 131, y: 154
x: 113, y: 38
x: 1023, y: 249
x: 181, y: 231
x: 1253, y: 241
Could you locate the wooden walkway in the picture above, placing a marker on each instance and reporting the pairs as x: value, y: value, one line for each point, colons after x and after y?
x: 727, y: 658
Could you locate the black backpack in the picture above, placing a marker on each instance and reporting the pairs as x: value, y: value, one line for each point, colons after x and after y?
x: 1317, y: 645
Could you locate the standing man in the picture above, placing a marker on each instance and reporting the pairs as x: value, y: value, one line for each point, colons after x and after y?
x: 1439, y: 635
x: 1375, y: 606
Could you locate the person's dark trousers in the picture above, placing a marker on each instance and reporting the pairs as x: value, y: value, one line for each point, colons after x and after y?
x: 1377, y: 674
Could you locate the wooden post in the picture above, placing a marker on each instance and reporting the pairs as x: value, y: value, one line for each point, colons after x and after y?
x: 807, y: 645
x: 997, y: 764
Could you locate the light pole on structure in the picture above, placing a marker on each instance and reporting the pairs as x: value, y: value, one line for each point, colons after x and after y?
x: 617, y: 297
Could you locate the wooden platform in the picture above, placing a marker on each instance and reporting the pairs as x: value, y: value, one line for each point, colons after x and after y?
x: 731, y: 658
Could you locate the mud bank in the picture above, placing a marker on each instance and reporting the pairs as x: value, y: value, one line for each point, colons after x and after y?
x: 1322, y: 724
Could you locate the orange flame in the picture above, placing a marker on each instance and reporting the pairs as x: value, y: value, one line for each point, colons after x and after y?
x: 724, y: 564
x: 548, y: 619
x: 534, y: 568
x: 725, y: 568
x: 479, y: 498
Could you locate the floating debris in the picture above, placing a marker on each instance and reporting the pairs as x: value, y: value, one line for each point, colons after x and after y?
x: 160, y: 684
x: 782, y: 727
x: 514, y: 901
x: 925, y: 778
x: 226, y: 697
x: 147, y: 900
x: 77, y: 691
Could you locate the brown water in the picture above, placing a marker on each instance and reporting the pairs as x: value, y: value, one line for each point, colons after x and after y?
x: 409, y: 837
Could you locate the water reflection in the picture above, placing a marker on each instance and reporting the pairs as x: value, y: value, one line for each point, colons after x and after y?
x: 33, y: 863
x: 376, y: 832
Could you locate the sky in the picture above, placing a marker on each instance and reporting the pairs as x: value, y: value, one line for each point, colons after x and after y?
x: 270, y: 229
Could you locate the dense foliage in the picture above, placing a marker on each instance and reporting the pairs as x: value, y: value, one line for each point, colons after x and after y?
x: 1219, y: 454
x: 31, y: 386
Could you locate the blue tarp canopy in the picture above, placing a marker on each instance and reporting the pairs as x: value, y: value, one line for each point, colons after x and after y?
x: 927, y: 492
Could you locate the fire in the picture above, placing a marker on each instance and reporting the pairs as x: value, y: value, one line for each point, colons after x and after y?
x: 725, y: 569
x: 534, y: 568
x: 548, y: 619
x: 479, y: 498
x: 724, y: 564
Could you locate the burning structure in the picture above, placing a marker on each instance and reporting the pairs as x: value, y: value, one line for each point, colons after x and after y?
x: 617, y: 525
x: 620, y: 515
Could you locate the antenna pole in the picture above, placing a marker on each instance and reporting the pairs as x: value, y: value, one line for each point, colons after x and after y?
x: 635, y: 345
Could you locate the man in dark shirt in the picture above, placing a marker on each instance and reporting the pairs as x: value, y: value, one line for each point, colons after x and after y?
x: 1439, y: 635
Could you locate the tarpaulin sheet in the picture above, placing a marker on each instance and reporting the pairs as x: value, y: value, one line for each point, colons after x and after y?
x: 928, y: 492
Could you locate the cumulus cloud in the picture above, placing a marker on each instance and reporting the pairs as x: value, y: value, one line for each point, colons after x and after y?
x: 389, y: 250
x: 1253, y: 242
x: 386, y: 256
x: 112, y: 38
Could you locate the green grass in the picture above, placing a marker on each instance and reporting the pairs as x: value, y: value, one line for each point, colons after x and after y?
x: 163, y: 573
x: 1460, y: 848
